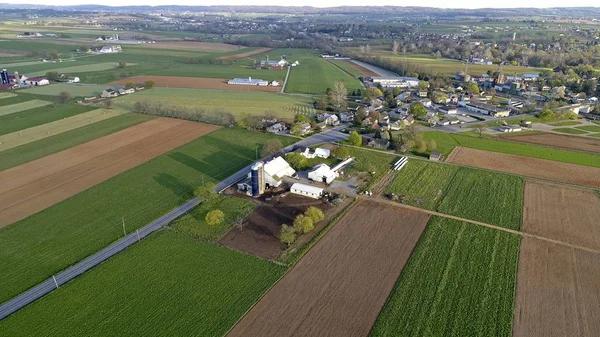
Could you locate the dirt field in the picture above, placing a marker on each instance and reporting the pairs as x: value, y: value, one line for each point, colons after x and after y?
x: 339, y: 287
x: 240, y: 56
x: 193, y: 45
x: 558, y: 291
x: 562, y: 213
x: 39, y: 184
x: 562, y: 141
x: 259, y: 234
x: 363, y: 70
x: 531, y: 167
x: 194, y: 83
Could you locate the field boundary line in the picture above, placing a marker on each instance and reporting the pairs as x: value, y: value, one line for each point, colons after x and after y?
x: 483, y: 224
x: 55, y: 281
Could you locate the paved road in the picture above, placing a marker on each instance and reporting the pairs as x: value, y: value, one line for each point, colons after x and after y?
x: 331, y: 135
x: 89, y: 262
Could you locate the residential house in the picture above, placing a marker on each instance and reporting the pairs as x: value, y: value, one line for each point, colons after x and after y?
x: 346, y: 117
x: 278, y: 127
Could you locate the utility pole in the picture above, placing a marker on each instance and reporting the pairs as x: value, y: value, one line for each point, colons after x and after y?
x: 123, y: 222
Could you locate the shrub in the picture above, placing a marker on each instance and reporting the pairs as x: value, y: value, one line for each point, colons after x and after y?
x: 315, y: 213
x: 303, y: 224
x: 287, y: 234
x: 214, y: 217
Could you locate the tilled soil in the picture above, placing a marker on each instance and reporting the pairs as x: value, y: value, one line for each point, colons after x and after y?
x: 39, y: 184
x: 562, y: 213
x: 341, y: 284
x: 526, y: 166
x: 555, y: 140
x: 558, y: 291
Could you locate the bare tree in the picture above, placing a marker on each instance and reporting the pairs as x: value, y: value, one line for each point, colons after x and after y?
x: 338, y: 96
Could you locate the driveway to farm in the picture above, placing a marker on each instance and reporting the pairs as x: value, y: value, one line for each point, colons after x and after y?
x: 39, y: 184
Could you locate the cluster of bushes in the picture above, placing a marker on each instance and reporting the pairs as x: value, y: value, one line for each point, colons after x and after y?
x: 303, y: 223
x: 202, y: 60
x: 217, y: 116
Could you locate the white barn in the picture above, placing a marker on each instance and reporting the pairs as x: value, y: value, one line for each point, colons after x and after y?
x: 322, y: 173
x: 275, y: 170
x: 307, y: 190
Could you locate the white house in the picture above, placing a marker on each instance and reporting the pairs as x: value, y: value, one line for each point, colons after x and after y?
x: 307, y: 190
x: 322, y: 173
x: 276, y: 169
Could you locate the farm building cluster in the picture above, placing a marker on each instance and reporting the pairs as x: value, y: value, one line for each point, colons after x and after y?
x: 252, y: 82
x: 15, y: 80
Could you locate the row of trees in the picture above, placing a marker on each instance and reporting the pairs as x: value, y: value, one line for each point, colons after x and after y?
x: 216, y: 116
x: 303, y: 223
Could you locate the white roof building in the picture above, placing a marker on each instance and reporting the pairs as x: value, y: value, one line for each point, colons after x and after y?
x: 322, y: 173
x: 276, y: 169
x: 318, y: 152
x: 307, y: 190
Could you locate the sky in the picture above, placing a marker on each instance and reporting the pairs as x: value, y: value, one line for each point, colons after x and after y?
x: 332, y: 3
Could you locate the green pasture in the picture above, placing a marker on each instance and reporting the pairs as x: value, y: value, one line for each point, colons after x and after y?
x: 6, y: 95
x: 168, y: 285
x: 486, y: 196
x: 589, y: 128
x: 23, y: 106
x: 238, y: 103
x: 459, y: 281
x: 571, y: 131
x: 86, y: 68
x: 74, y: 89
x: 447, y: 141
x: 34, y: 150
x: 47, y: 242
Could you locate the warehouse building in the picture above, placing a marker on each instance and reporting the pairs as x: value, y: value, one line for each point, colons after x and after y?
x: 307, y: 190
x: 248, y: 81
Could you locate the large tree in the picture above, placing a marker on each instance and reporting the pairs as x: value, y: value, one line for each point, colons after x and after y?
x: 338, y: 96
x: 355, y: 139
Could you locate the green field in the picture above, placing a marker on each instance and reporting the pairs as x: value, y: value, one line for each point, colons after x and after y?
x: 571, y: 131
x: 474, y: 194
x: 444, y: 66
x: 373, y: 164
x: 6, y: 95
x: 44, y: 243
x: 23, y: 106
x: 565, y: 123
x: 314, y: 74
x: 167, y: 285
x: 238, y: 104
x: 38, y: 116
x: 34, y: 150
x: 459, y: 281
x: 85, y: 68
x: 589, y: 128
x: 446, y: 142
x: 75, y: 89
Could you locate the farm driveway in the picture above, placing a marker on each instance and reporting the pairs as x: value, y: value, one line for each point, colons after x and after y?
x: 341, y: 284
x: 36, y: 185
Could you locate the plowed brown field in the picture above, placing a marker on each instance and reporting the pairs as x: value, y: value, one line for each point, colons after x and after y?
x: 194, y: 83
x: 339, y: 287
x: 562, y: 213
x: 555, y: 140
x: 526, y: 166
x: 558, y: 291
x: 240, y: 56
x: 34, y: 186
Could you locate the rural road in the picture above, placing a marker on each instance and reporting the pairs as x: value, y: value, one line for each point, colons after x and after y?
x: 91, y: 261
x: 52, y: 283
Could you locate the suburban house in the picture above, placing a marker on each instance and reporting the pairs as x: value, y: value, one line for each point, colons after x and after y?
x: 328, y: 119
x: 109, y: 92
x: 346, y: 117
x: 278, y: 127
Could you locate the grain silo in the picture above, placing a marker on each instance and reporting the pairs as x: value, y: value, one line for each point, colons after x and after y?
x: 258, y: 179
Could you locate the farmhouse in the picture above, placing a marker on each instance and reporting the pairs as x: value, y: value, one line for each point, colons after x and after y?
x: 278, y: 127
x: 107, y: 49
x: 274, y: 64
x: 487, y: 109
x: 248, y: 81
x: 317, y: 153
x: 307, y: 190
x: 36, y: 81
